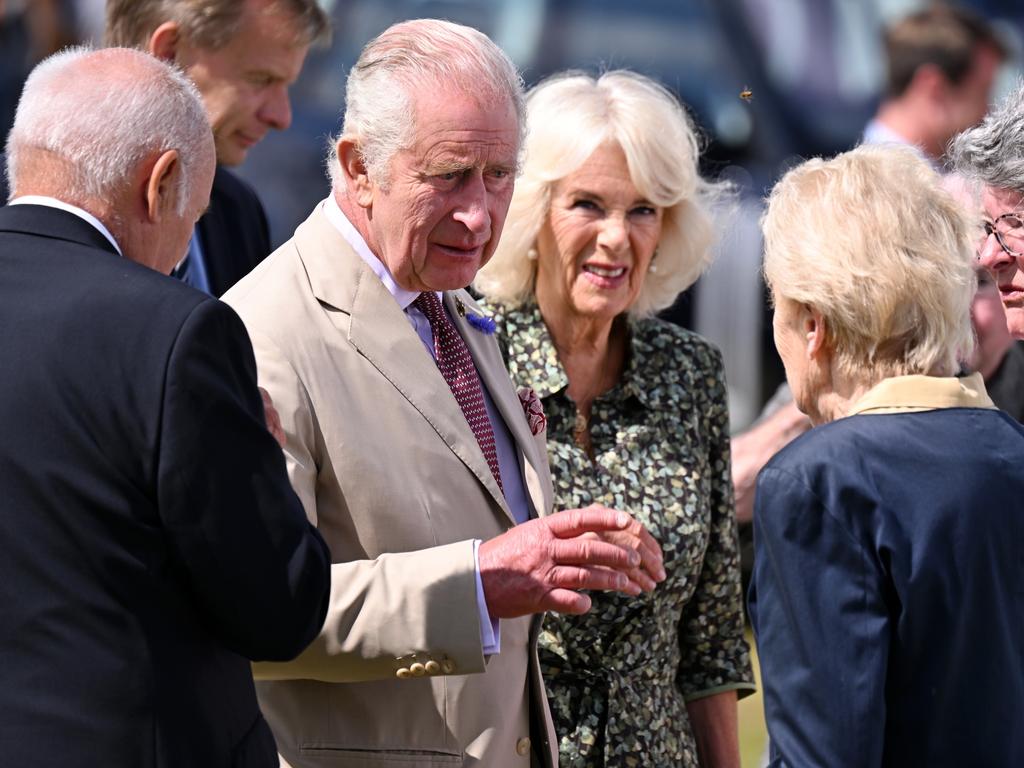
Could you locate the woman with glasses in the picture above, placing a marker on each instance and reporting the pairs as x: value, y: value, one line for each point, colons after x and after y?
x: 888, y: 589
x: 608, y: 224
x: 993, y: 153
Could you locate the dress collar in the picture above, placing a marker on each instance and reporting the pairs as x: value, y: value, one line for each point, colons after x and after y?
x: 533, y: 360
x: 909, y: 394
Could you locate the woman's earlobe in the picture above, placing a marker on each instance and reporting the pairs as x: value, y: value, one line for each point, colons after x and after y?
x: 814, y: 331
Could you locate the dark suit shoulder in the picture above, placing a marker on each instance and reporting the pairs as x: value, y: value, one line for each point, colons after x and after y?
x: 231, y: 189
x: 234, y: 231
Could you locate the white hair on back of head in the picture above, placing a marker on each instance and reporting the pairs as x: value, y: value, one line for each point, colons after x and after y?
x: 102, y: 120
x: 569, y: 116
x: 872, y: 240
x: 413, y: 60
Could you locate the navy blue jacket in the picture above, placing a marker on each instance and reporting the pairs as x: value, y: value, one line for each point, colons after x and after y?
x: 151, y: 543
x: 888, y: 592
x: 233, y: 231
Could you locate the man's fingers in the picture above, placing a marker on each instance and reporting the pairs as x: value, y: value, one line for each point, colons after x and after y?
x: 587, y: 551
x: 573, y: 522
x: 566, y: 601
x: 583, y: 577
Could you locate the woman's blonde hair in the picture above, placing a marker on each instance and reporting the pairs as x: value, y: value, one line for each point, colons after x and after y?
x: 568, y: 117
x: 872, y: 241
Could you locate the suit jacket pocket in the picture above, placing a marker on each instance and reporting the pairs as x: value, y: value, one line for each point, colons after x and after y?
x: 379, y: 758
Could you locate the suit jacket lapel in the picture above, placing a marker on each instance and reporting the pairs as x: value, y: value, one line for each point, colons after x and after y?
x: 487, y: 356
x: 375, y: 325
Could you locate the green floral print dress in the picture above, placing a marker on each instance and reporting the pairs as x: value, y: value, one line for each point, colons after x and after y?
x: 618, y: 678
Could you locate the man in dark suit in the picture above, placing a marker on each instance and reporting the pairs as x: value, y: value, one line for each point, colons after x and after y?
x: 152, y: 546
x: 242, y: 55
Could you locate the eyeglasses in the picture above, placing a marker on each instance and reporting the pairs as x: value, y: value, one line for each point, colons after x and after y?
x: 1008, y: 228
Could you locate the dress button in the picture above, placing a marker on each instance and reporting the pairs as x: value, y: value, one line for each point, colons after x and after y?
x: 523, y: 747
x: 417, y: 669
x: 403, y: 673
x: 432, y: 667
x: 448, y: 666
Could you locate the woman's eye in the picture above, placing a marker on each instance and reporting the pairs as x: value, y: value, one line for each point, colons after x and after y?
x: 644, y: 210
x: 586, y: 205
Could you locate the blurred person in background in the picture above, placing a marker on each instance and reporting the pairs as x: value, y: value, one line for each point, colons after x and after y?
x: 941, y: 65
x: 152, y: 545
x: 886, y: 599
x: 608, y: 224
x: 30, y: 30
x: 243, y: 55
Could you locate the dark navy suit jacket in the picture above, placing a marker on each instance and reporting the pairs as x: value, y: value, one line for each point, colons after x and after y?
x: 151, y: 543
x: 888, y: 592
x: 233, y: 232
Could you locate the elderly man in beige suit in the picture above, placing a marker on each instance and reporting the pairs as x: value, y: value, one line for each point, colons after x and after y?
x: 407, y: 443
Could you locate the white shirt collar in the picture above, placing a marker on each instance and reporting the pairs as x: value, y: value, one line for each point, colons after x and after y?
x: 348, y: 231
x: 877, y: 132
x: 52, y: 202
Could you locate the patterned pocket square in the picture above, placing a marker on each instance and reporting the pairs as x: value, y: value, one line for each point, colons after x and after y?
x: 533, y: 410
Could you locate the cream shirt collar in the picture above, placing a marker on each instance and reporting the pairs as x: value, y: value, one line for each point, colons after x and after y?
x: 910, y: 394
x: 53, y: 202
x: 348, y: 231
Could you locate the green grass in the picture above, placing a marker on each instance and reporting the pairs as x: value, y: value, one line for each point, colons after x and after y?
x: 753, y: 735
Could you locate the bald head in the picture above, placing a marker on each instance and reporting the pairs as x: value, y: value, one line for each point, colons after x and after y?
x: 87, y: 118
x: 93, y: 127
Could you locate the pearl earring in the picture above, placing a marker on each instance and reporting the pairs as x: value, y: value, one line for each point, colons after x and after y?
x: 532, y: 254
x: 653, y: 268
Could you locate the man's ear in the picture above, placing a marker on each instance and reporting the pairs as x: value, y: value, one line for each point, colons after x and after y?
x: 815, y: 331
x: 929, y: 81
x: 163, y: 43
x: 357, y: 179
x: 162, y: 186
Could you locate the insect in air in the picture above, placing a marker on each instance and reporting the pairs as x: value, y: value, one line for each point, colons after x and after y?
x: 746, y: 94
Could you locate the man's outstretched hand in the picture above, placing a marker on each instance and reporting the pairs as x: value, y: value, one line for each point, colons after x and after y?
x: 539, y: 565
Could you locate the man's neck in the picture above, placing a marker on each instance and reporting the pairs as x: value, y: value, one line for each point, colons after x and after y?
x: 904, y: 120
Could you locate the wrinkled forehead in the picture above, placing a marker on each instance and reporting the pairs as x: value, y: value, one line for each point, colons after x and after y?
x: 997, y: 201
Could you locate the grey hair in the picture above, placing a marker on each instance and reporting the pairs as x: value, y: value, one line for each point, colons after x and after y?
x: 405, y: 62
x: 102, y: 120
x: 993, y: 151
x: 572, y: 114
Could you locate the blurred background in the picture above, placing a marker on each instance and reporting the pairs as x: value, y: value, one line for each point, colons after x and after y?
x: 811, y: 72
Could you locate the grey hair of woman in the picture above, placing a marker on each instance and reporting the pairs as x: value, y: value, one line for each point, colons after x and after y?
x: 993, y: 151
x: 417, y: 59
x: 568, y: 117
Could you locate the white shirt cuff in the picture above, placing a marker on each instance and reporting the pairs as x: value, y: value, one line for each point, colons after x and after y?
x: 490, y: 629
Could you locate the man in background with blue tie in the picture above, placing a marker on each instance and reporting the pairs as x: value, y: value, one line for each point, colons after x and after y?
x: 242, y: 55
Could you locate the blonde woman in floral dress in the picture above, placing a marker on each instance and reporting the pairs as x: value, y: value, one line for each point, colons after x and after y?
x: 608, y: 225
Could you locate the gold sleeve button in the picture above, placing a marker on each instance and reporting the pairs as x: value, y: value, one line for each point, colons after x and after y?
x: 448, y: 666
x: 523, y: 747
x: 432, y: 667
x: 403, y: 673
x: 417, y: 669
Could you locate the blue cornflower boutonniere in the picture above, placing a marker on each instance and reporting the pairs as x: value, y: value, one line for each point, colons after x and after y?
x: 482, y: 323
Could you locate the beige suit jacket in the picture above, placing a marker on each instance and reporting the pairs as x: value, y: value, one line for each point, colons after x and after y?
x: 389, y: 470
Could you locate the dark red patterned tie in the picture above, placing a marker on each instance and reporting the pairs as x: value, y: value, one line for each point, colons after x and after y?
x: 456, y: 365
